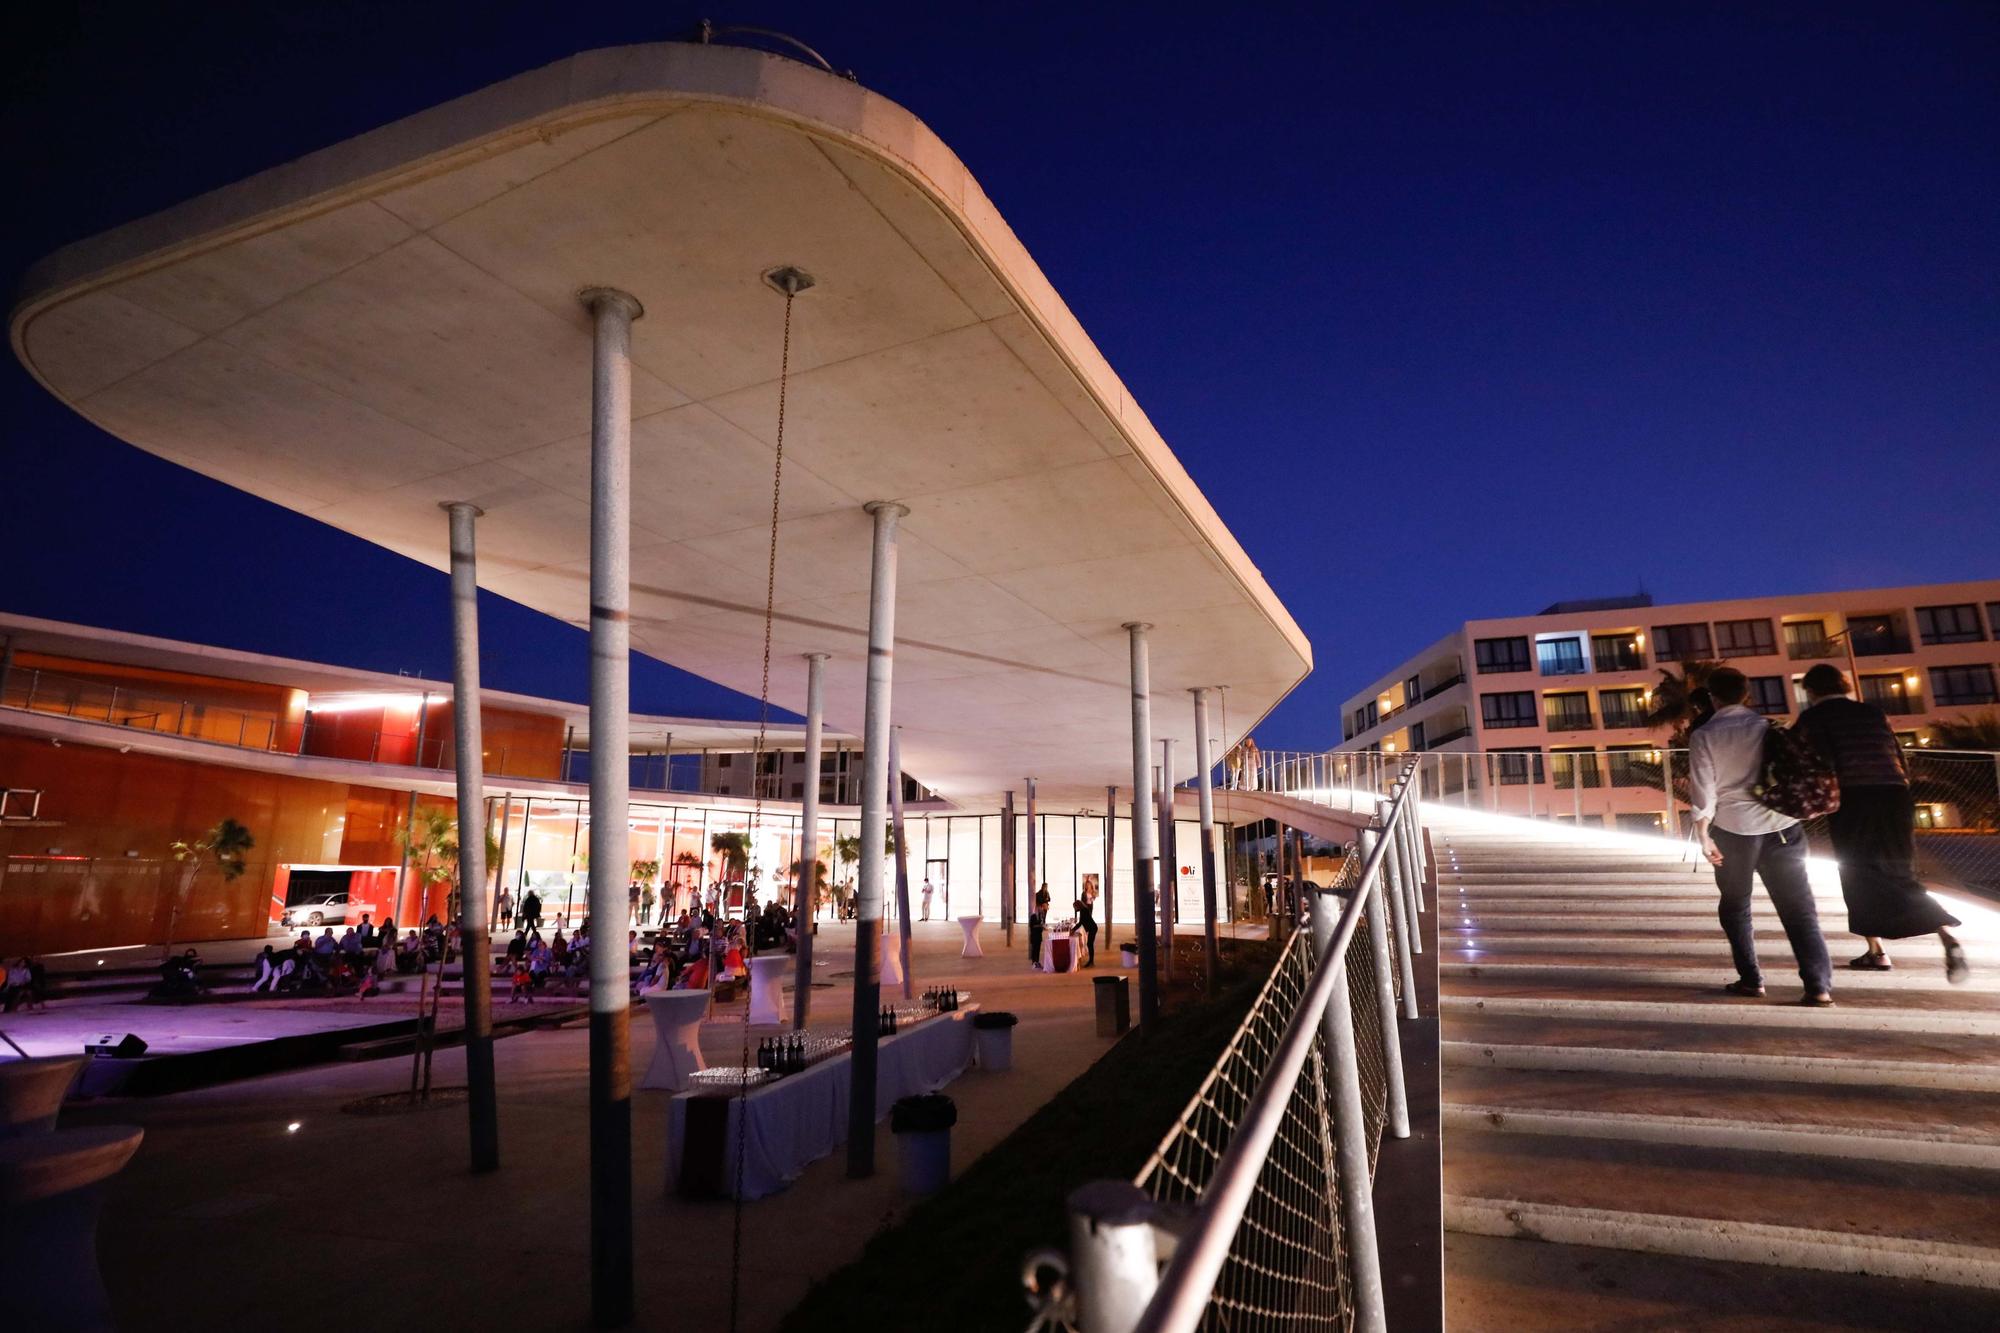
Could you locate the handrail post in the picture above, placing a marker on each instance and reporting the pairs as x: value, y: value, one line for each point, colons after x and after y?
x: 1413, y: 859
x: 1399, y: 912
x: 1385, y: 1008
x: 1395, y: 866
x: 1357, y: 1185
x: 1114, y: 1256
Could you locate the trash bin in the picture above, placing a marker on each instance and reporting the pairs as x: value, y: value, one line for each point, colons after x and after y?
x: 922, y: 1126
x: 993, y: 1037
x: 1114, y: 1005
x: 1128, y: 955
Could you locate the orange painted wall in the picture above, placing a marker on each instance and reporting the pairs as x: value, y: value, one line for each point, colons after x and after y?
x: 67, y: 882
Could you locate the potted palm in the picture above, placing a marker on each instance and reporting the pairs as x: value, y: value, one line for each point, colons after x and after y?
x: 225, y: 845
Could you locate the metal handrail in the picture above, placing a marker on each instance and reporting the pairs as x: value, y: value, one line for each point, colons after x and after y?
x: 1112, y: 1270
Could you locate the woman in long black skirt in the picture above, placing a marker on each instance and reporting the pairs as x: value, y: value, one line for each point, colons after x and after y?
x: 1873, y: 831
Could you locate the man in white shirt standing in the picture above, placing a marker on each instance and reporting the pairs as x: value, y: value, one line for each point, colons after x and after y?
x: 1742, y: 837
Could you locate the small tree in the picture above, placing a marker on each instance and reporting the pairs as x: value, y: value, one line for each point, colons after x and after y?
x: 1981, y: 731
x: 225, y: 844
x: 846, y: 851
x: 431, y: 843
x: 807, y: 898
x: 643, y: 873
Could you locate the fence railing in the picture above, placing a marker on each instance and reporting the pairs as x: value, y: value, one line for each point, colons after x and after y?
x: 1256, y: 1210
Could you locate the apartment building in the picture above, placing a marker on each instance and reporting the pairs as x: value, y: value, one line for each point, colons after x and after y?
x: 1561, y: 697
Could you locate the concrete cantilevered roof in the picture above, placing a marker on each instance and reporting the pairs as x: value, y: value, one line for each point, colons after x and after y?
x: 393, y: 321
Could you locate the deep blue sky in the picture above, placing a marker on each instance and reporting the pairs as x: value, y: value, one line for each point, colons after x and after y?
x: 1451, y: 310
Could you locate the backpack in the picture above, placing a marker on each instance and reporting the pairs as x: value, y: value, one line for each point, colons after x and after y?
x: 1796, y: 780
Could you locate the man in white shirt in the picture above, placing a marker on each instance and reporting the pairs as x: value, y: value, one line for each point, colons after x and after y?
x: 1742, y: 837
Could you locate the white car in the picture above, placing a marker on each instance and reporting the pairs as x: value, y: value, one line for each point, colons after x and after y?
x: 327, y: 909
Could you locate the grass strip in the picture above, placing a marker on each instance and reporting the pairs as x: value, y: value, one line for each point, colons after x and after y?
x: 954, y: 1262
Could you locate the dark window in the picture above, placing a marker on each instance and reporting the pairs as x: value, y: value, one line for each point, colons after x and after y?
x: 1518, y: 768
x: 1993, y: 618
x: 1806, y: 641
x: 1413, y: 691
x: 724, y: 760
x: 1950, y: 624
x: 1495, y: 655
x: 1681, y: 643
x: 1744, y: 638
x: 1633, y: 765
x: 1560, y: 657
x: 1370, y: 716
x: 1623, y: 708
x: 1617, y: 652
x: 798, y: 790
x: 1508, y: 710
x: 1570, y: 765
x: 1767, y: 695
x: 1876, y: 635
x: 1889, y: 692
x: 1962, y: 685
x: 1416, y: 735
x: 1568, y: 712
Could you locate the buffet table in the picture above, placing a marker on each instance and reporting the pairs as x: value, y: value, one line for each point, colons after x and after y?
x: 800, y: 1118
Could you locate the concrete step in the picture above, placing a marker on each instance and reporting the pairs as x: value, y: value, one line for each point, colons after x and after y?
x: 1645, y: 902
x: 1802, y: 1051
x: 1919, y: 954
x: 1895, y: 1219
x: 1941, y: 1011
x: 1579, y: 971
x: 1881, y: 1124
x: 1532, y: 875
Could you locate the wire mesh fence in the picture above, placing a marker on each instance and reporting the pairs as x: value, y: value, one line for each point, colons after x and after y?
x: 1284, y: 1267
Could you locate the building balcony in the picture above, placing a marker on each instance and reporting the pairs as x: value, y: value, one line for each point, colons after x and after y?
x: 1443, y: 685
x: 1618, y: 659
x: 1880, y: 645
x: 1623, y: 717
x: 1457, y: 734
x: 1813, y: 650
x: 1571, y: 722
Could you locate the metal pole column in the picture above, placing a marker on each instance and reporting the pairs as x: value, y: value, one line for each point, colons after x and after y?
x: 902, y: 859
x: 1007, y: 868
x: 808, y: 920
x: 874, y: 833
x: 1170, y: 868
x: 1343, y: 1071
x: 1211, y: 950
x: 1143, y: 845
x: 1110, y: 837
x: 475, y: 956
x: 612, y: 313
x: 1034, y: 868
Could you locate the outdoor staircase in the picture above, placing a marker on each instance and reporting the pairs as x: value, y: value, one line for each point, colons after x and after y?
x: 1600, y: 1090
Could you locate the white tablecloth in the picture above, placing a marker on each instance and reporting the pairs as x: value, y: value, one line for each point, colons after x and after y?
x: 803, y: 1117
x: 677, y: 1016
x: 970, y: 925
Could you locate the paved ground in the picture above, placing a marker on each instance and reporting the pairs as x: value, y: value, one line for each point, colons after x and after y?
x: 231, y: 1214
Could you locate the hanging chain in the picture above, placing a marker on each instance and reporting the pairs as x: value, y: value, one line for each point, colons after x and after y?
x: 756, y: 818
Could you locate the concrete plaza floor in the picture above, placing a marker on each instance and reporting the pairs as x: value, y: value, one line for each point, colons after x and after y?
x: 229, y: 1216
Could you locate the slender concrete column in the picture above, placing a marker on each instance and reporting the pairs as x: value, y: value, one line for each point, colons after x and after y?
x: 1007, y: 868
x: 809, y: 840
x: 1170, y: 869
x: 1145, y: 926
x: 902, y: 860
x: 1110, y: 843
x: 475, y: 955
x: 612, y: 313
x: 1034, y: 866
x: 1204, y: 763
x: 874, y: 834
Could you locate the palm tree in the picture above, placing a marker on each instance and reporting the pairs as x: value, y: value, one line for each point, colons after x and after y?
x: 734, y: 849
x: 846, y: 851
x: 1673, y: 702
x: 1978, y: 732
x: 806, y: 902
x: 225, y: 844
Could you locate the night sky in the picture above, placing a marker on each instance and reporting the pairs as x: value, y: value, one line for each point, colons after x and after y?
x: 1452, y: 311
